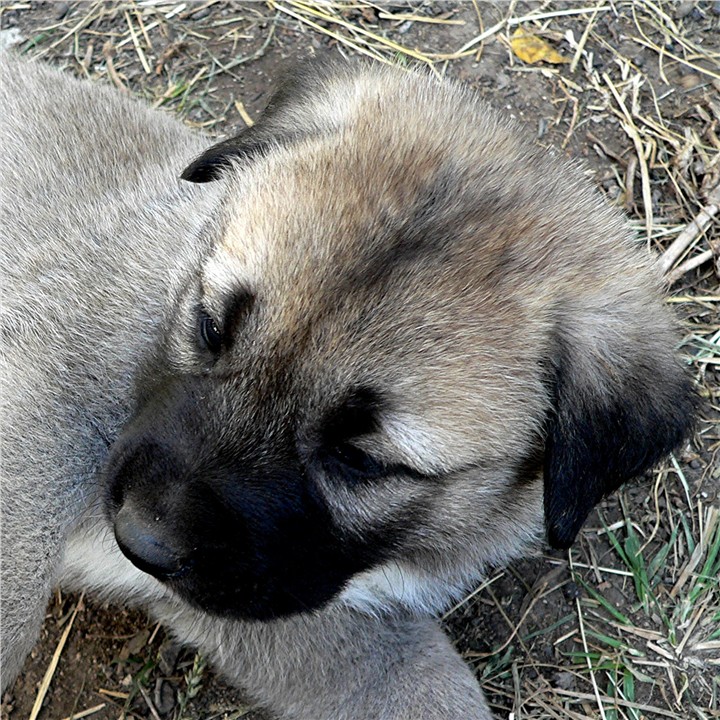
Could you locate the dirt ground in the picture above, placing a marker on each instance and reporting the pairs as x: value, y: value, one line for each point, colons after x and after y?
x: 626, y: 624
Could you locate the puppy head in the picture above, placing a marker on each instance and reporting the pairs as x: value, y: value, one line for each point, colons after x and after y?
x: 413, y: 341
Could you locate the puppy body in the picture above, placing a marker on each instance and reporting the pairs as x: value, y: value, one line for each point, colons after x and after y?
x: 318, y: 396
x: 80, y: 307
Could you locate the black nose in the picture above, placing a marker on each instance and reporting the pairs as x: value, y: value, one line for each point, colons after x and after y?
x: 144, y: 545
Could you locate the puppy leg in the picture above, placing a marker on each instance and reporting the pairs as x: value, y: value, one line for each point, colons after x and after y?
x: 339, y: 664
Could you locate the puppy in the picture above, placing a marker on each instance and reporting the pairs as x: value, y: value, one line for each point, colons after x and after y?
x: 301, y: 399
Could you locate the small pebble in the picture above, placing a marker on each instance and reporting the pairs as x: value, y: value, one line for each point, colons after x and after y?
x: 200, y: 14
x: 502, y: 80
x: 690, y: 81
x: 168, y: 656
x: 164, y: 697
x: 684, y: 9
x: 61, y: 10
x: 565, y: 680
x: 9, y: 37
x: 571, y: 590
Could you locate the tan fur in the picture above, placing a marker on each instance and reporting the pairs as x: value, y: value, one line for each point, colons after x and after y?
x: 376, y: 230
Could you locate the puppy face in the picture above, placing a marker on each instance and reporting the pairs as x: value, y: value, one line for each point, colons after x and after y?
x: 412, y: 344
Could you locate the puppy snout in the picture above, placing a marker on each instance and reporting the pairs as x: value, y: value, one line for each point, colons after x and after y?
x: 142, y: 541
x: 147, y: 505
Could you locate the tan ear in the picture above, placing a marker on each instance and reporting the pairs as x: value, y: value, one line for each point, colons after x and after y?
x: 614, y: 418
x: 281, y: 123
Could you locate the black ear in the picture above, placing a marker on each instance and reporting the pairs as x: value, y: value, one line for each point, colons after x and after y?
x: 288, y: 117
x: 614, y: 418
x: 215, y: 160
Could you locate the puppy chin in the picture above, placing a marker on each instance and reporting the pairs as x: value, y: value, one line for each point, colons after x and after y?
x: 395, y: 584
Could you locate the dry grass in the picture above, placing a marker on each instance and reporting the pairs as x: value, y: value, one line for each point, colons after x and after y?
x: 627, y: 624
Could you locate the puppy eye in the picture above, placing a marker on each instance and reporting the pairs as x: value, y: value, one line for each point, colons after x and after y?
x: 348, y: 463
x: 354, y: 461
x: 210, y: 334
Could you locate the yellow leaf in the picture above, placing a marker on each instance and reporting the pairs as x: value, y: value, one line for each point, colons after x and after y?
x: 532, y: 49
